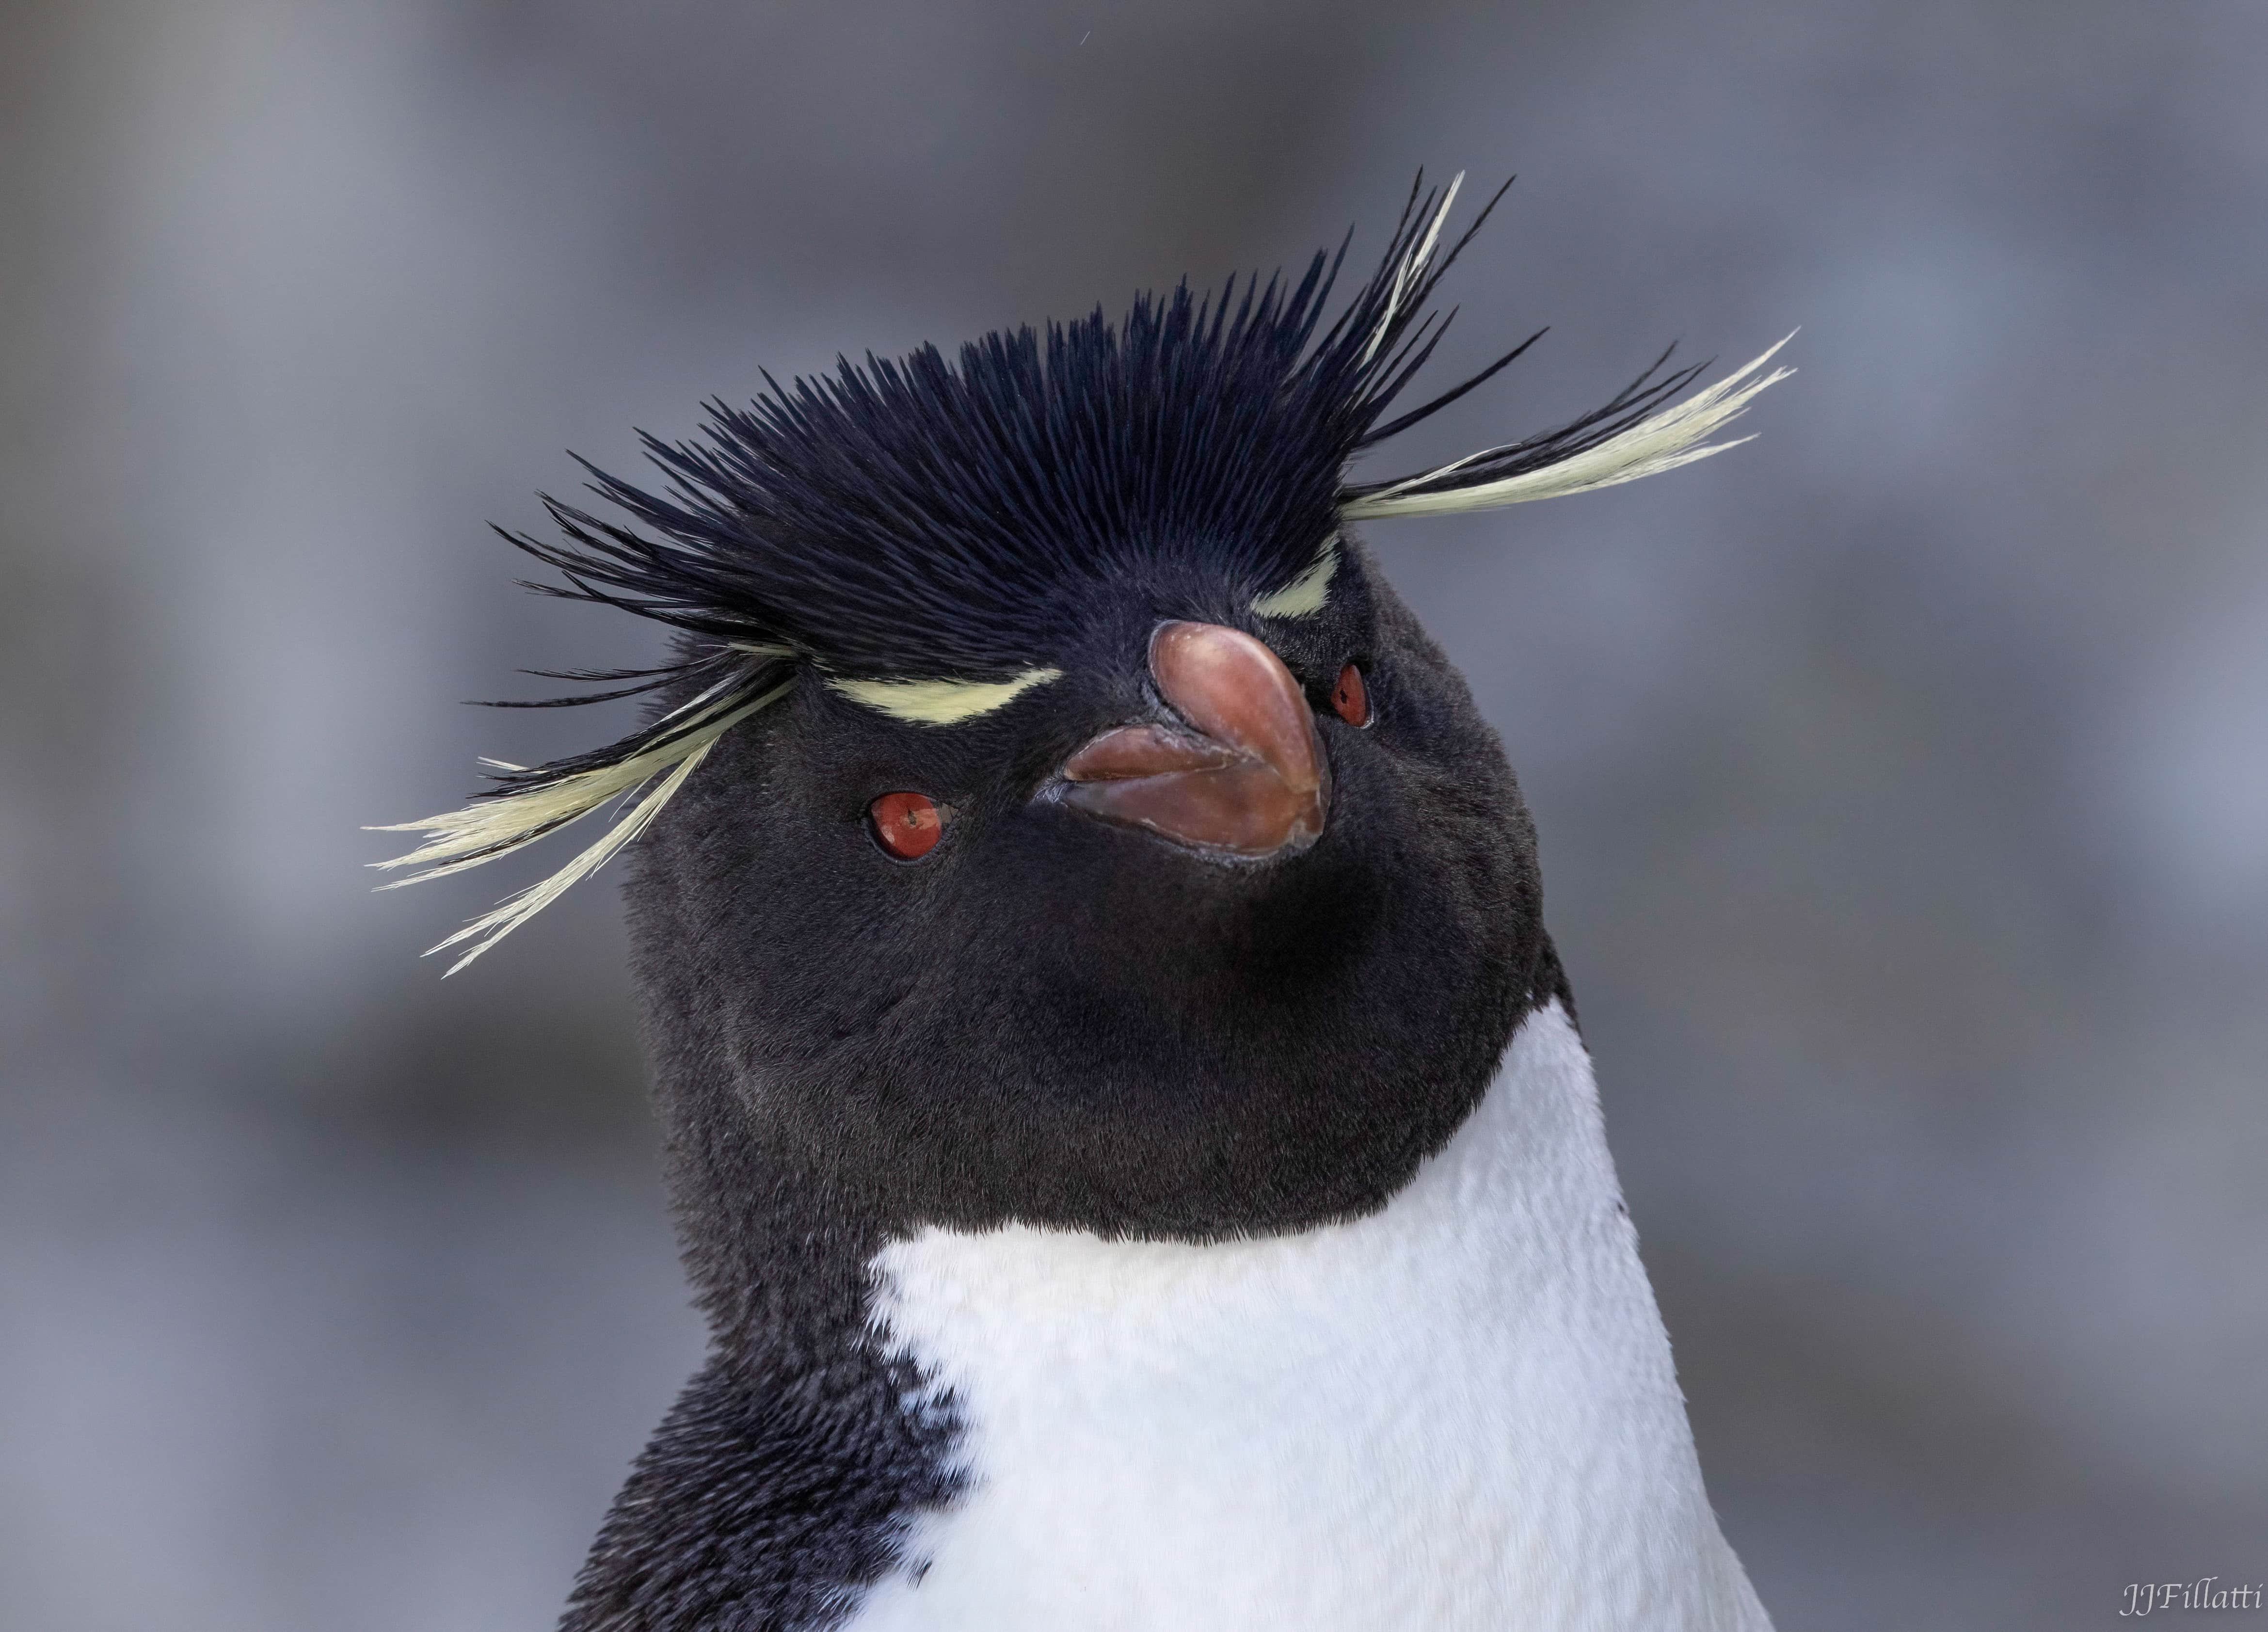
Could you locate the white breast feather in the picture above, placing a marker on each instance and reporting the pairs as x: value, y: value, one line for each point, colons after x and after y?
x: 1458, y: 1413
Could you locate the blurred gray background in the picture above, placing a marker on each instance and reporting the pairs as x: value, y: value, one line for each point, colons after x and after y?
x: 1903, y: 778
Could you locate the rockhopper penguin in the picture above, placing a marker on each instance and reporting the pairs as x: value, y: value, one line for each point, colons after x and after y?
x: 1125, y: 1118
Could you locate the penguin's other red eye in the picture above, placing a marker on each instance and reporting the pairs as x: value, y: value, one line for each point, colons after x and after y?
x: 1350, y: 698
x: 906, y: 825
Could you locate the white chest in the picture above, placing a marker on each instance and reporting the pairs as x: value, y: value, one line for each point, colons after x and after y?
x: 1458, y: 1413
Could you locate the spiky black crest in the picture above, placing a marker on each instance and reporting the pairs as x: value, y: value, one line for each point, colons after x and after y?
x: 924, y: 518
x: 920, y: 520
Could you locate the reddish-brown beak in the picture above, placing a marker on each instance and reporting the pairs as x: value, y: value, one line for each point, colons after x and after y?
x: 1245, y: 777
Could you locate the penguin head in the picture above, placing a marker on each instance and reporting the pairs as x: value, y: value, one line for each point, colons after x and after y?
x: 1219, y: 930
x: 1051, y: 814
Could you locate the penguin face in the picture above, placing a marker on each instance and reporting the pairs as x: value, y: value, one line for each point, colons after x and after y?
x: 1208, y: 936
x: 1053, y: 815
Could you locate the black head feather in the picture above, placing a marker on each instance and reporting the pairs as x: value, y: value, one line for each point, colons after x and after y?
x: 921, y: 518
x: 918, y: 519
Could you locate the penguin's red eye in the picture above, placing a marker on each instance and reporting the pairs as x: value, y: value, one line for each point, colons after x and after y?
x: 906, y: 825
x: 1350, y: 698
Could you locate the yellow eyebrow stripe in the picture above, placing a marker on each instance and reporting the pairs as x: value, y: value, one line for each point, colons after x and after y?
x: 1308, y: 593
x: 939, y: 702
